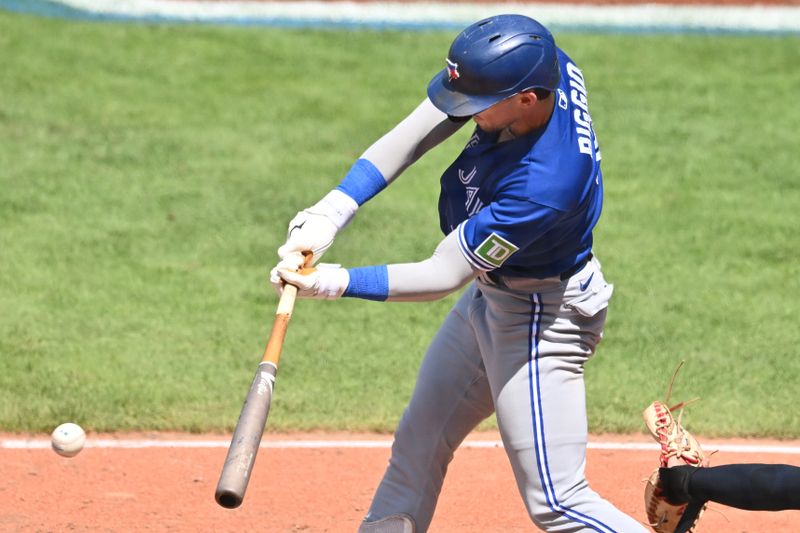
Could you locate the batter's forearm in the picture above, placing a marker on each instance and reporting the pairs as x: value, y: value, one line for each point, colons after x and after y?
x: 420, y: 131
x: 315, y: 228
x: 390, y: 155
x: 424, y: 281
x: 444, y: 272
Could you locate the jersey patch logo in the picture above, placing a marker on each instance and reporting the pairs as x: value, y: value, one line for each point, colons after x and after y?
x: 495, y: 250
x: 452, y: 70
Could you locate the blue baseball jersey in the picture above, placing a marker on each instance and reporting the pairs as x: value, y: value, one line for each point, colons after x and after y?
x: 526, y: 207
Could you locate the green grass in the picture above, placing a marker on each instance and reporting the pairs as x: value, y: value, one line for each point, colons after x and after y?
x: 147, y: 174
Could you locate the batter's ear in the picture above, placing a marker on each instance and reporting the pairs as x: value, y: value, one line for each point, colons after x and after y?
x: 528, y: 97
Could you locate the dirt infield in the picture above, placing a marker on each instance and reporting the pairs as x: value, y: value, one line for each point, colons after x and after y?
x: 315, y: 489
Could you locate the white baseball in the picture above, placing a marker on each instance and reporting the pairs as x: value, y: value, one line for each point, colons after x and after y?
x: 68, y: 439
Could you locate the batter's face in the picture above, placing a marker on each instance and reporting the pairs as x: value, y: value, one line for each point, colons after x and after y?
x: 504, y: 114
x: 519, y: 114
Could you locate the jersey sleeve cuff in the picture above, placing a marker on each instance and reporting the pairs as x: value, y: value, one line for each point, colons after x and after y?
x: 477, y: 262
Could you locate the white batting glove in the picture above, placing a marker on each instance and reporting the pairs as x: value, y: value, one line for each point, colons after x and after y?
x: 314, y: 229
x: 292, y: 262
x: 326, y: 282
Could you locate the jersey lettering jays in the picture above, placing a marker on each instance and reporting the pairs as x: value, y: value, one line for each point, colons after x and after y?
x: 526, y: 207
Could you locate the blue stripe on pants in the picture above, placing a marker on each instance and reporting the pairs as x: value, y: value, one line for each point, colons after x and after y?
x: 537, y: 416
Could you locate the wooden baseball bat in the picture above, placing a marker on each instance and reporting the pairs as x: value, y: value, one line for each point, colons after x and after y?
x: 253, y: 418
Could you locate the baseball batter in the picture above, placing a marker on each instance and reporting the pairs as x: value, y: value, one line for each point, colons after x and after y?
x: 517, y: 208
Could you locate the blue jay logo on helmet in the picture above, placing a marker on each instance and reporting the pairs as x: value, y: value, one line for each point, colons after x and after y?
x: 452, y: 70
x: 494, y: 59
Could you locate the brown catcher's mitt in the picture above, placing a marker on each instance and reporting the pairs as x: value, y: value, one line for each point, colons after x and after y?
x: 674, y: 440
x: 676, y: 443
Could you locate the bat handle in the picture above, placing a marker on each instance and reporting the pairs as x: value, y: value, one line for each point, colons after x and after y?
x: 272, y: 353
x: 286, y: 303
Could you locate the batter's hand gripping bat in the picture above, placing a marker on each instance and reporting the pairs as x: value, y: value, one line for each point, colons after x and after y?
x: 247, y: 435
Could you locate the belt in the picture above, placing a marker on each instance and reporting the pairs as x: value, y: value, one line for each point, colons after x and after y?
x: 496, y: 279
x: 577, y: 268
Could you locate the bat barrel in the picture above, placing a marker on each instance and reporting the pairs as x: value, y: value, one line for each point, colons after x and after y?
x: 246, y: 438
x: 228, y: 498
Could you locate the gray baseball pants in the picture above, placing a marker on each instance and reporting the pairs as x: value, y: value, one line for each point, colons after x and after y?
x: 516, y: 347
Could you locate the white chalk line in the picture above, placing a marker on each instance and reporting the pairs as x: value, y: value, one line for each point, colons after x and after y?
x: 41, y: 444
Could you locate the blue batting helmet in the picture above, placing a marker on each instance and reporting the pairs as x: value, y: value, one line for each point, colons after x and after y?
x: 493, y: 59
